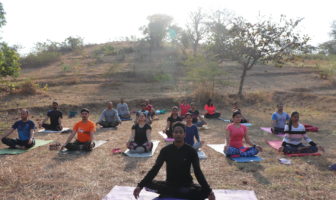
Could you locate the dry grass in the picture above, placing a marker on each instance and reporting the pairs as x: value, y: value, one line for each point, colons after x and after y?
x: 43, y: 174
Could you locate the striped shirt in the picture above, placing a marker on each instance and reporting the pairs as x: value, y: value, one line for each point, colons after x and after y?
x: 296, y: 135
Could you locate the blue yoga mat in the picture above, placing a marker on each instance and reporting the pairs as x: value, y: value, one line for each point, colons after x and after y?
x: 247, y: 159
x: 123, y: 119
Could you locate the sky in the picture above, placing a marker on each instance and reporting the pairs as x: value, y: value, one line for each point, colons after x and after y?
x: 100, y: 21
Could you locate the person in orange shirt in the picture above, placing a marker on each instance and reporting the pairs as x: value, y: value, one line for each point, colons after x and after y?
x: 85, y: 130
x: 210, y: 110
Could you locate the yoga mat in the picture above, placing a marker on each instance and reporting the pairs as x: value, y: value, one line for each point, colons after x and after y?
x: 220, y: 149
x: 143, y: 155
x: 268, y: 130
x: 50, y: 131
x: 98, y: 143
x: 311, y: 128
x: 125, y: 119
x: 126, y: 193
x: 225, y: 120
x: 228, y: 121
x: 38, y: 143
x: 201, y: 155
x: 165, y: 137
x: 276, y: 144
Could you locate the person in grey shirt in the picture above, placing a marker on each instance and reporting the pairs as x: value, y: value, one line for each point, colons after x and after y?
x: 123, y: 110
x: 109, y: 117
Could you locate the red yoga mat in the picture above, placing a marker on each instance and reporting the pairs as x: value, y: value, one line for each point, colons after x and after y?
x: 276, y: 144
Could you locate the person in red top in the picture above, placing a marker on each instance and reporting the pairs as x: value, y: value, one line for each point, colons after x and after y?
x: 85, y: 130
x: 210, y: 110
x: 235, y: 133
x: 150, y: 108
x: 184, y: 108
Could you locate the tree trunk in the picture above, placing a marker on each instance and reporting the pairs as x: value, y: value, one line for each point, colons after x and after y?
x: 242, y: 79
x: 195, y: 46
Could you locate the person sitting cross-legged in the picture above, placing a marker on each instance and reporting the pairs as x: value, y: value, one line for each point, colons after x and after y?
x: 197, y: 119
x: 140, y: 140
x: 25, y: 129
x: 210, y: 110
x: 294, y: 134
x: 192, y: 133
x: 179, y: 183
x: 279, y: 119
x: 109, y: 117
x: 55, y: 119
x: 235, y: 133
x: 174, y: 117
x: 123, y: 110
x: 84, y: 130
x: 235, y: 108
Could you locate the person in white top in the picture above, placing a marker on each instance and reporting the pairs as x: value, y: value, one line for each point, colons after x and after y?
x: 294, y: 134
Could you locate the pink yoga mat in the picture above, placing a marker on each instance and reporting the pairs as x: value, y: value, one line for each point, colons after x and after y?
x: 276, y: 144
x: 268, y: 130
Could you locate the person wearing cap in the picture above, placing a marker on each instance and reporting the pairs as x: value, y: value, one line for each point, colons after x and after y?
x: 84, y: 130
x: 109, y: 117
x: 192, y: 133
x: 55, y: 117
x: 174, y: 117
x: 179, y: 157
x: 25, y: 129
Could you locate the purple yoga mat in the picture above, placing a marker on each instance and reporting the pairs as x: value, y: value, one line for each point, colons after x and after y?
x: 268, y: 130
x: 126, y: 193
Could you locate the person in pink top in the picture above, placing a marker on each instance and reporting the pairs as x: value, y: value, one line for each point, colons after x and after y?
x: 184, y: 108
x: 235, y: 133
x: 210, y: 110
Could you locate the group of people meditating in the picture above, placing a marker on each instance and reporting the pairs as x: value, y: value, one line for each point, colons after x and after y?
x: 181, y: 154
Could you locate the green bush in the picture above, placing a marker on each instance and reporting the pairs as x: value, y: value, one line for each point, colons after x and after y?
x: 49, y: 52
x: 162, y: 76
x: 9, y: 61
x: 107, y: 50
x: 40, y: 59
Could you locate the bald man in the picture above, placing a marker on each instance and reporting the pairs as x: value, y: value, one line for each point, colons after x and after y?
x: 109, y: 117
x: 25, y: 129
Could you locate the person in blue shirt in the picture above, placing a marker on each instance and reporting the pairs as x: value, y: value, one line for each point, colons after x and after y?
x: 279, y: 119
x: 25, y: 129
x: 192, y: 133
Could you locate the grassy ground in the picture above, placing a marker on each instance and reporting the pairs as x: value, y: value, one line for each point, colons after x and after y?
x: 79, y: 80
x: 44, y: 174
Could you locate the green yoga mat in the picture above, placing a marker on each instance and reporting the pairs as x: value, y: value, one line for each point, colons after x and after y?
x: 38, y: 143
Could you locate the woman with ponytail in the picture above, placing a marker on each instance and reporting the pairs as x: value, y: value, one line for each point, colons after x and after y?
x: 235, y: 133
x: 294, y: 134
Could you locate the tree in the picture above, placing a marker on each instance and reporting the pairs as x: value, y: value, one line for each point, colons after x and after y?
x: 157, y: 29
x: 2, y: 16
x: 203, y: 72
x: 196, y: 28
x: 9, y: 61
x: 329, y: 47
x: 263, y: 41
x: 333, y: 30
x: 9, y: 58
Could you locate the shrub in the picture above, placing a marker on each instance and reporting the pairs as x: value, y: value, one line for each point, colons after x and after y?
x: 40, y: 59
x: 49, y: 52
